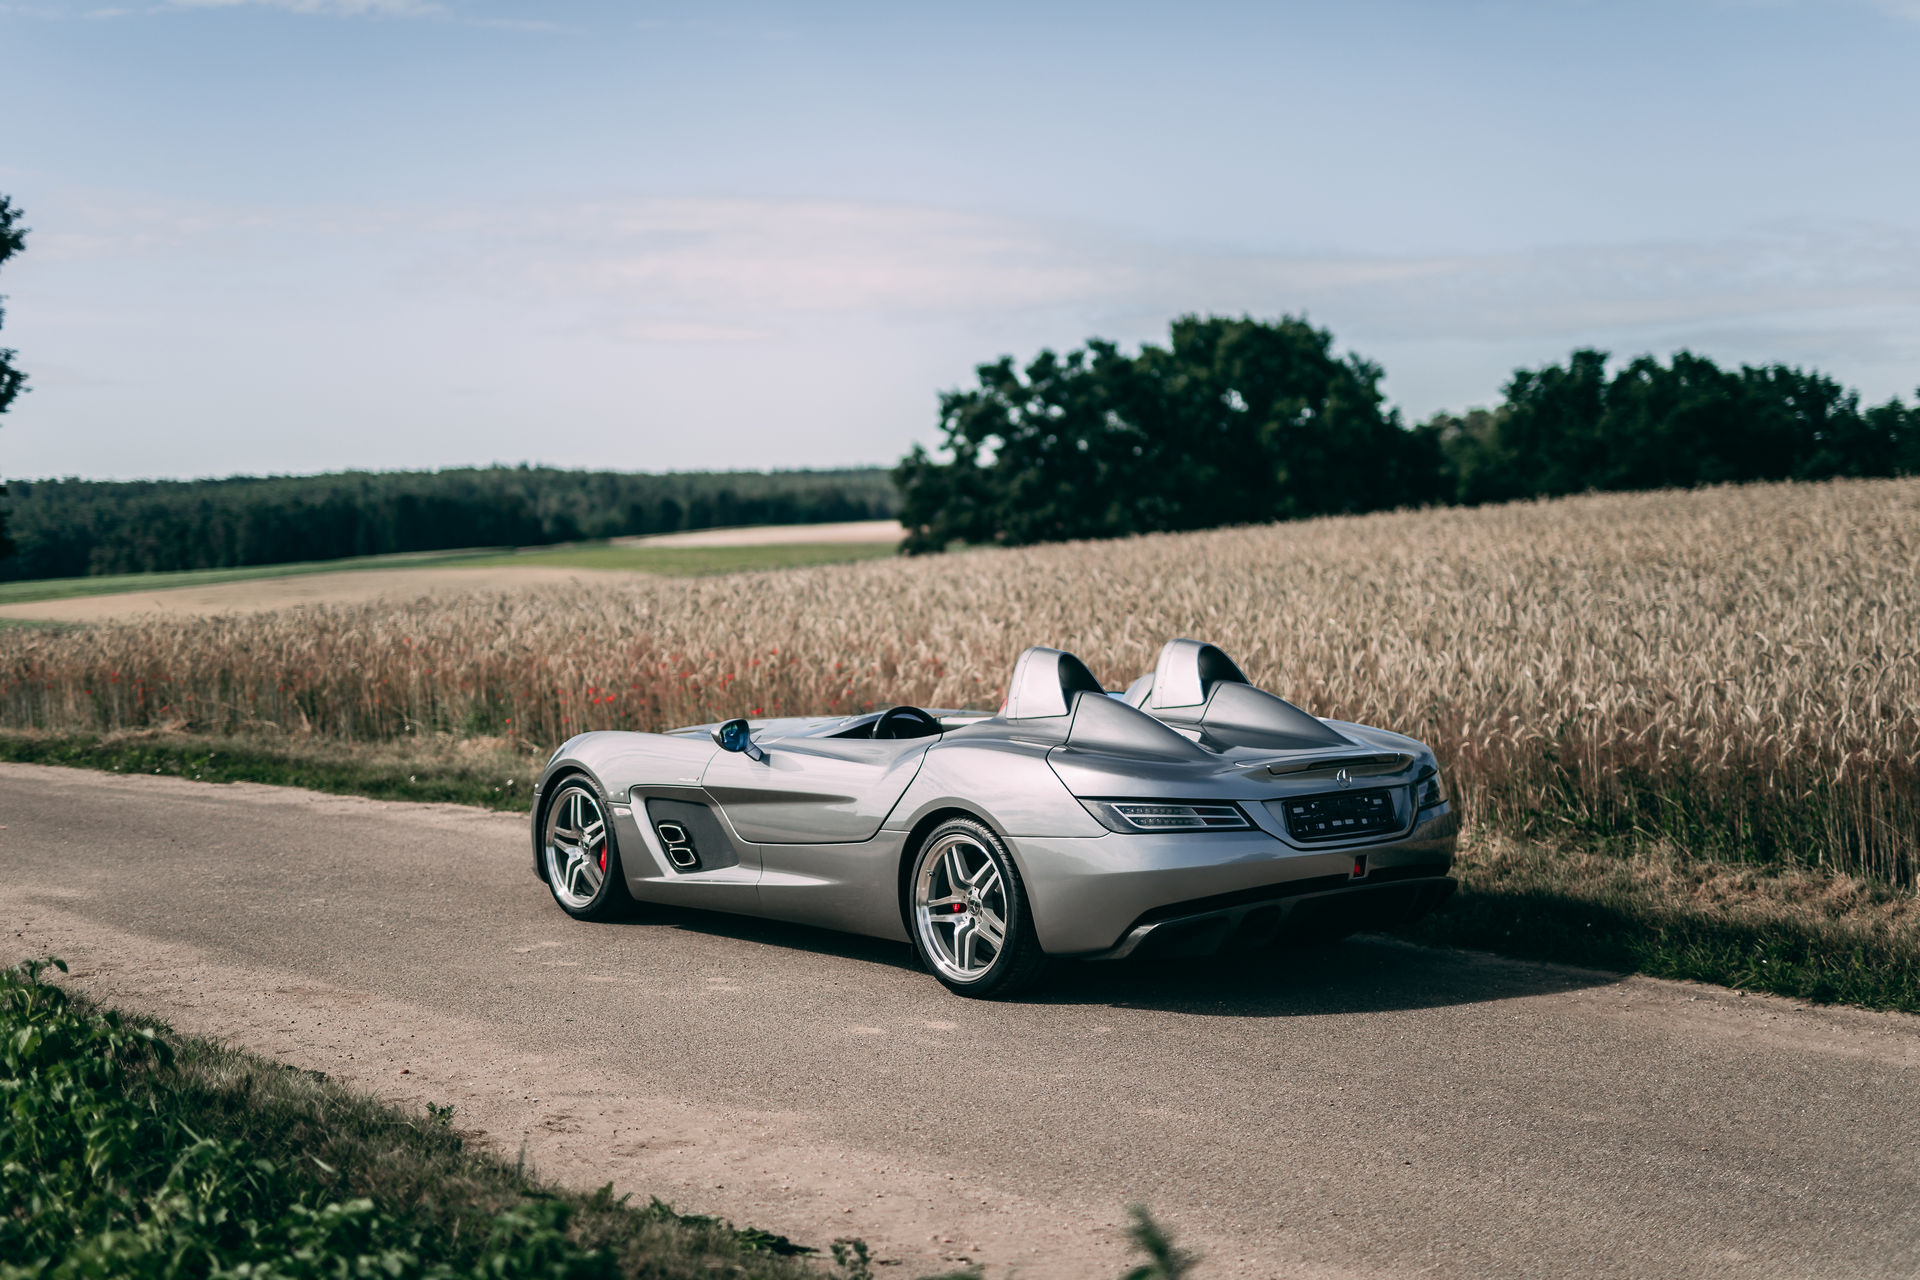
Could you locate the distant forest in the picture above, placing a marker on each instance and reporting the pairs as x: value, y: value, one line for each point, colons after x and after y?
x: 72, y: 528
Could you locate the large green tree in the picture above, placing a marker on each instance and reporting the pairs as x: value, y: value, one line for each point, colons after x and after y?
x: 13, y: 238
x: 1651, y: 425
x: 1234, y: 420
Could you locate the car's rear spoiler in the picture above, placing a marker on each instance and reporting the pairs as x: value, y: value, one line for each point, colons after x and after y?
x: 1366, y: 764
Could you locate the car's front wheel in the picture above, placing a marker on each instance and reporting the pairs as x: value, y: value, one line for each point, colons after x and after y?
x: 971, y: 924
x: 581, y: 857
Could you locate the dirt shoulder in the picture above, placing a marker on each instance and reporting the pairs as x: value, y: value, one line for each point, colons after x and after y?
x: 578, y: 1126
x: 776, y: 535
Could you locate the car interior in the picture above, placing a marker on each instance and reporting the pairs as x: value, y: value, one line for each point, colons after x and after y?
x: 896, y: 724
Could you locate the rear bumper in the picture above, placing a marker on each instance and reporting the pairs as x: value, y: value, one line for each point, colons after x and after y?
x: 1116, y: 895
x: 1296, y: 913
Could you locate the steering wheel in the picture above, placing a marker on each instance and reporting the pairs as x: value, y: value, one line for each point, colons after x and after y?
x: 906, y: 722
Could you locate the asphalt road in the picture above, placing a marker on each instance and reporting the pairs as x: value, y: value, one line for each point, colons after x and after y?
x: 1371, y: 1109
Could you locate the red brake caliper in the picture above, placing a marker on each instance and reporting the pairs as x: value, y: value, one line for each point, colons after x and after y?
x: 603, y: 857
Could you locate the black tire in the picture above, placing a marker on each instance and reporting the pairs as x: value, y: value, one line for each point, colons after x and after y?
x: 598, y: 868
x: 989, y: 898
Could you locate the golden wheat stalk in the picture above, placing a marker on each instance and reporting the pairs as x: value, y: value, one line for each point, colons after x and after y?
x: 1739, y: 667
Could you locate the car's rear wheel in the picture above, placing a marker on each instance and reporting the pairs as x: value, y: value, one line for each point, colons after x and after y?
x: 971, y: 924
x: 581, y: 856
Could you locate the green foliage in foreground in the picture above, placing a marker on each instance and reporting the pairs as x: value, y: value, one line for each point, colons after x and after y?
x: 129, y: 1151
x: 126, y: 1151
x: 1165, y: 1260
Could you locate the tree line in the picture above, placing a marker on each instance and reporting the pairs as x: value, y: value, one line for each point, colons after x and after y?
x: 13, y: 238
x: 70, y: 528
x: 1237, y: 420
x: 74, y: 528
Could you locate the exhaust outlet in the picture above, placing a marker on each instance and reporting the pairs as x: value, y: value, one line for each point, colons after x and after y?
x: 678, y: 844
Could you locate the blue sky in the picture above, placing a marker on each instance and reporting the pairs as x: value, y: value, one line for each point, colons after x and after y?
x: 316, y: 234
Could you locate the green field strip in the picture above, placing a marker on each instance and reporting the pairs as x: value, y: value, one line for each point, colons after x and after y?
x: 121, y: 583
x: 676, y: 561
x: 681, y: 561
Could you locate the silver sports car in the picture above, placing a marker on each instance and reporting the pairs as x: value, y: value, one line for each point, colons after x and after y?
x: 1192, y: 813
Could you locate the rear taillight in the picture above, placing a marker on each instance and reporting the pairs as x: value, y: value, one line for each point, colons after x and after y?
x: 1133, y: 816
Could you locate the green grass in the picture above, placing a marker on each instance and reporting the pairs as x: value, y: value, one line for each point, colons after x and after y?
x: 493, y: 777
x: 1816, y: 937
x: 691, y: 560
x: 120, y: 583
x: 679, y: 561
x: 128, y: 1150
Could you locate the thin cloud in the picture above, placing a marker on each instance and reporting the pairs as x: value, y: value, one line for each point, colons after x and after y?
x: 1905, y: 9
x: 330, y: 8
x: 718, y: 261
x: 315, y: 8
x: 738, y: 270
x: 690, y: 332
x: 321, y: 8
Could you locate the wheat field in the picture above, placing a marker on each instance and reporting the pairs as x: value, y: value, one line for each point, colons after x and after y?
x: 1736, y: 670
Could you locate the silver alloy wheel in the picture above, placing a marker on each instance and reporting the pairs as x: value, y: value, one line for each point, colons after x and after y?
x: 960, y: 907
x: 576, y: 846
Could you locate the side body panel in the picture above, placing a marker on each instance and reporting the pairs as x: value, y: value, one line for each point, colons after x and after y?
x: 851, y: 887
x: 1004, y: 780
x: 1002, y: 777
x: 813, y: 790
x: 839, y: 788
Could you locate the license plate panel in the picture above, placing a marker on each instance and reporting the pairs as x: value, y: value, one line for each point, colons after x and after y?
x: 1341, y: 815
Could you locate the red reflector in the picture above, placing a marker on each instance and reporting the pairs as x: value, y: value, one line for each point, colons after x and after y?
x: 1360, y: 865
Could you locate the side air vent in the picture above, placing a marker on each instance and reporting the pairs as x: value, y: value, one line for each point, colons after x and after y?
x: 691, y: 836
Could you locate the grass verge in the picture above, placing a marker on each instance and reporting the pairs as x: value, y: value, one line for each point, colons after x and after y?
x: 688, y: 561
x: 128, y: 1150
x: 490, y: 772
x: 1652, y: 909
x: 1646, y: 908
